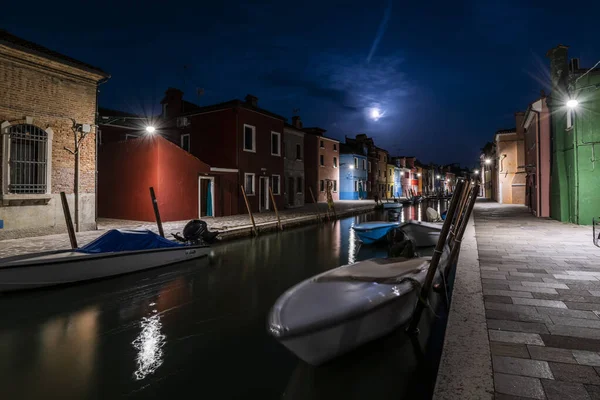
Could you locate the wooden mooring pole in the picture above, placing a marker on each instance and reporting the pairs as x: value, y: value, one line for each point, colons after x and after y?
x: 423, y: 297
x: 156, y: 213
x: 315, y: 202
x: 275, y: 207
x: 249, y: 210
x: 68, y: 220
x: 463, y: 225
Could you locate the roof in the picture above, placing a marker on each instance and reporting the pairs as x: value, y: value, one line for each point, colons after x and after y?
x: 346, y: 148
x: 102, y: 111
x: 231, y: 104
x: 504, y: 131
x: 18, y: 43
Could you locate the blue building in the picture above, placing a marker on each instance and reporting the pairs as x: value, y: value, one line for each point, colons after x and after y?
x: 353, y: 172
x: 397, y: 181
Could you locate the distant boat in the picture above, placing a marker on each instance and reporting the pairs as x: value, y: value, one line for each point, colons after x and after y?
x: 372, y: 232
x: 333, y: 313
x: 424, y: 234
x: 117, y: 252
x: 388, y: 206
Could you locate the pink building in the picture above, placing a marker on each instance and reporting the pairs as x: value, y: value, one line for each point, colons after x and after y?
x: 537, y: 157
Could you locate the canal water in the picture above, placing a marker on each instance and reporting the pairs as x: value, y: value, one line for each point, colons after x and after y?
x: 198, y: 330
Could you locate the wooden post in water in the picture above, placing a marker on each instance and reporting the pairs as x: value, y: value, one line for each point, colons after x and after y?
x: 275, y: 207
x: 156, y: 213
x: 68, y: 220
x: 464, y: 195
x: 413, y: 328
x: 315, y: 202
x: 249, y: 210
x: 463, y: 225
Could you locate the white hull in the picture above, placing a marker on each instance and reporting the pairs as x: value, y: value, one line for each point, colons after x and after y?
x: 321, y: 346
x: 64, y: 267
x: 425, y: 234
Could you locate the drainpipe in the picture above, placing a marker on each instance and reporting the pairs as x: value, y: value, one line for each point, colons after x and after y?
x: 538, y: 172
x: 237, y: 151
x: 576, y: 171
x: 100, y: 82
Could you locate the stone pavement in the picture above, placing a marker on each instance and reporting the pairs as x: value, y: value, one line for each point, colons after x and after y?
x: 231, y: 226
x: 541, y: 289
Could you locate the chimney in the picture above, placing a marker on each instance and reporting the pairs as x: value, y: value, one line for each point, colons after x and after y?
x: 574, y: 64
x: 252, y: 100
x: 296, y: 122
x: 172, y: 103
x: 559, y: 71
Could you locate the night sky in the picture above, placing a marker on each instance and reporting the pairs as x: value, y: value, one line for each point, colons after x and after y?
x: 445, y: 75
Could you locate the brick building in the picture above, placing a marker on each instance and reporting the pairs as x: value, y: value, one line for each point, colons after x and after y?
x: 44, y: 96
x: 293, y: 158
x: 321, y: 164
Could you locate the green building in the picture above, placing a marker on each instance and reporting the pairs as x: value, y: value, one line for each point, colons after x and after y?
x: 575, y: 109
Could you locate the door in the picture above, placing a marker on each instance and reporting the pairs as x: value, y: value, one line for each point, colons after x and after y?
x: 263, y: 194
x: 291, y: 192
x: 206, y: 190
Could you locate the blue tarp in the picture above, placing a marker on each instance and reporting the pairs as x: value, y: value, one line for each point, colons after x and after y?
x: 127, y: 240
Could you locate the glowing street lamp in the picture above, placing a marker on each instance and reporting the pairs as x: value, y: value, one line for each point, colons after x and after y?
x: 419, y: 175
x: 439, y: 177
x: 351, y: 166
x: 572, y: 103
x: 476, y: 172
x: 487, y: 161
x: 150, y: 129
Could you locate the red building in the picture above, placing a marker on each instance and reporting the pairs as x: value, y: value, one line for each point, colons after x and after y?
x: 239, y: 143
x: 321, y: 165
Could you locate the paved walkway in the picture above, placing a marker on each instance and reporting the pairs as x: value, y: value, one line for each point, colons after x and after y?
x: 232, y: 226
x: 541, y: 287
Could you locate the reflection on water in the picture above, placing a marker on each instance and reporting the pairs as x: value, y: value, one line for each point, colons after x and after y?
x: 149, y: 345
x: 109, y: 339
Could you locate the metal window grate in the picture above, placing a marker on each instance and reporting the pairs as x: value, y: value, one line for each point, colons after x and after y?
x: 28, y: 159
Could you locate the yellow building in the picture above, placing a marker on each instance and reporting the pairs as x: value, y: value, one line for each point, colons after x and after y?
x: 390, y: 190
x: 420, y: 179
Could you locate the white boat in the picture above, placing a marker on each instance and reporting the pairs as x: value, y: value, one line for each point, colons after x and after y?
x: 115, y: 253
x: 424, y: 234
x: 391, y: 206
x: 332, y: 313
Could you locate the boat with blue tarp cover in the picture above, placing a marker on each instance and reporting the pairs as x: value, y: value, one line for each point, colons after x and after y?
x: 372, y: 232
x: 116, y: 252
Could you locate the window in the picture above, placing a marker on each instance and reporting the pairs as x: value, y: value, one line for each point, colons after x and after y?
x: 369, y: 166
x: 275, y: 184
x: 335, y: 186
x: 334, y: 162
x: 249, y: 138
x: 570, y: 118
x: 322, y: 185
x: 356, y: 186
x: 298, y: 152
x: 335, y: 147
x: 379, y: 173
x: 299, y: 184
x: 275, y: 144
x: 355, y: 163
x: 29, y: 147
x: 391, y: 172
x: 385, y: 173
x: 249, y: 184
x: 185, y: 142
x: 407, y: 175
x: 322, y: 145
x: 129, y: 136
x: 364, y: 162
x: 322, y: 160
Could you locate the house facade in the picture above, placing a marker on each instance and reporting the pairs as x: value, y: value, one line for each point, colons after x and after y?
x: 293, y: 163
x: 510, y: 164
x: 321, y: 165
x: 392, y: 189
x: 536, y: 125
x: 232, y: 137
x: 381, y: 172
x: 45, y: 99
x: 575, y: 182
x: 353, y: 172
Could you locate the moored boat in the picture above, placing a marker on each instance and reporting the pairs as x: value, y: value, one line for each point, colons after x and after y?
x: 116, y: 252
x: 391, y: 206
x: 334, y: 312
x: 372, y: 232
x: 424, y: 234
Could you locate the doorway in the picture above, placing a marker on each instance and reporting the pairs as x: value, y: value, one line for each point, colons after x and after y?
x: 263, y: 194
x: 206, y: 197
x: 291, y: 192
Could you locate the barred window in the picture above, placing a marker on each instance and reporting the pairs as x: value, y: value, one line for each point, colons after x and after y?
x: 28, y: 160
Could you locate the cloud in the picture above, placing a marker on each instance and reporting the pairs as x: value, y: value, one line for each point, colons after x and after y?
x: 380, y: 30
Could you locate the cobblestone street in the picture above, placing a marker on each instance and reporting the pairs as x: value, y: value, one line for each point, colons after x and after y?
x: 541, y: 287
x: 235, y: 225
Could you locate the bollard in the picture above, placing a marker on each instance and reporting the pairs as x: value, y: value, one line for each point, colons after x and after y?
x: 68, y: 220
x: 249, y: 211
x: 275, y: 207
x: 156, y: 213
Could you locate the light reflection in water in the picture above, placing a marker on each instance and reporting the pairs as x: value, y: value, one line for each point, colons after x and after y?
x: 352, y: 242
x: 419, y: 213
x: 149, y: 346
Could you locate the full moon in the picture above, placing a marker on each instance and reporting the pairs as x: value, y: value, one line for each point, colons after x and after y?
x: 375, y: 114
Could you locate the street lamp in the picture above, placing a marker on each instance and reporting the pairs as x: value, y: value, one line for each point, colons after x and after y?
x: 488, y: 161
x: 572, y: 103
x: 439, y: 177
x: 150, y: 129
x: 476, y: 172
x: 419, y: 175
x: 351, y: 166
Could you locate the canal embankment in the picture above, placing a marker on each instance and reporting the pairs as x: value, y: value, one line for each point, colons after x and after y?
x: 231, y: 227
x: 538, y: 282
